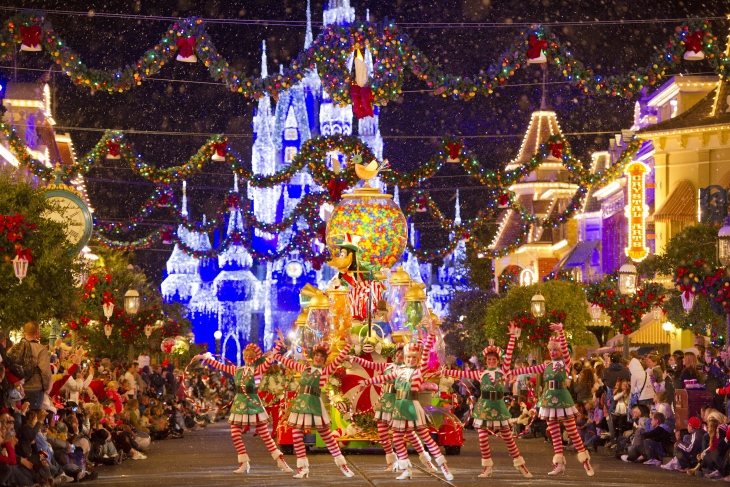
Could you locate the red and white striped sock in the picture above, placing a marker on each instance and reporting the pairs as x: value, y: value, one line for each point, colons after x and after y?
x: 263, y: 432
x: 299, y: 448
x: 400, y: 445
x: 237, y: 437
x: 425, y: 436
x: 415, y: 442
x: 554, y: 430
x: 330, y: 441
x: 572, y: 430
x: 385, y: 437
x: 506, y: 433
x: 484, y: 444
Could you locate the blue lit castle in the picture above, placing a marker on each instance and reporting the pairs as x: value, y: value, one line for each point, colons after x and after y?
x: 249, y: 301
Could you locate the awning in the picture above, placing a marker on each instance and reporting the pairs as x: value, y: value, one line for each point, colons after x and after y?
x: 581, y: 253
x: 649, y: 334
x: 681, y: 206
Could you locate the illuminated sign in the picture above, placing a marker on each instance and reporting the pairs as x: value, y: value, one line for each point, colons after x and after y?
x: 636, y: 210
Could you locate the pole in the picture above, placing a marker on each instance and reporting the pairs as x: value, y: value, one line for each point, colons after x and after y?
x: 626, y: 347
x: 370, y: 303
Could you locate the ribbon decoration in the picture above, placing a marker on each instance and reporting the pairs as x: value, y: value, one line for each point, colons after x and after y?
x: 556, y: 149
x: 694, y: 42
x: 166, y: 237
x: 24, y: 253
x: 219, y: 148
x: 232, y: 202
x: 536, y: 47
x: 454, y: 150
x: 186, y: 45
x: 163, y: 201
x: 362, y: 101
x: 503, y: 200
x: 31, y: 35
x: 113, y: 148
x: 335, y: 187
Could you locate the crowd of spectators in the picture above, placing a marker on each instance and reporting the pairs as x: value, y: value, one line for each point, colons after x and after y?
x: 63, y: 414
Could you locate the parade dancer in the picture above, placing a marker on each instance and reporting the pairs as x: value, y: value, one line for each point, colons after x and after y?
x: 384, y: 410
x: 490, y: 412
x: 307, y: 409
x: 555, y: 404
x: 247, y: 410
x: 408, y: 415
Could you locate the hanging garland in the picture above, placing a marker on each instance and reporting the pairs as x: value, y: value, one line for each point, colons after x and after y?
x: 393, y: 54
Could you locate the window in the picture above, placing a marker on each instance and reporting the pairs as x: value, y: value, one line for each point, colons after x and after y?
x: 289, y: 154
x: 291, y: 134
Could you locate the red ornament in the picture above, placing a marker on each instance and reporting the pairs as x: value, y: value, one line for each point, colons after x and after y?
x: 185, y: 47
x: 112, y: 150
x: 454, y: 151
x: 534, y: 52
x: 31, y: 38
x: 556, y: 149
x: 166, y: 237
x: 362, y: 101
x: 503, y: 200
x: 335, y: 187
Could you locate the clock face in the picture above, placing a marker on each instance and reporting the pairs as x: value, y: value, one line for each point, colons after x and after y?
x: 71, y: 211
x: 294, y: 269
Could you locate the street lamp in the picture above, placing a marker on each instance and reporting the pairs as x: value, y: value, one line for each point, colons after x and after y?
x: 657, y: 313
x: 217, y: 335
x: 627, y: 285
x: 131, y: 302
x: 108, y: 327
x: 20, y: 267
x: 596, y: 312
x: 627, y: 279
x: 537, y: 308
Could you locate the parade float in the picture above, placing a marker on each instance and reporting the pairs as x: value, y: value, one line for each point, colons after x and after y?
x: 366, y: 235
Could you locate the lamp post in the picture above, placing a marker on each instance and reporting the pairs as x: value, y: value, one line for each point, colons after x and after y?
x: 217, y: 335
x: 131, y: 302
x: 723, y: 255
x: 20, y: 267
x: 537, y: 308
x: 627, y: 286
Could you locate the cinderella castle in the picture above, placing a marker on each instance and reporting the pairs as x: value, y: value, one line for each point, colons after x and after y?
x: 249, y: 301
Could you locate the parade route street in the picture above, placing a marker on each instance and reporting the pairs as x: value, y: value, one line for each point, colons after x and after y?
x: 207, y: 458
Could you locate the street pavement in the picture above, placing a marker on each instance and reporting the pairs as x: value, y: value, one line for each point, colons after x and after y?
x: 207, y: 458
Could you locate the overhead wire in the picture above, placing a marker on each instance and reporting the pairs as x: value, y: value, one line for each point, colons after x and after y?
x: 420, y: 25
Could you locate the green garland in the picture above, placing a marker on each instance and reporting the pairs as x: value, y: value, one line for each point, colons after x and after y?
x: 393, y: 51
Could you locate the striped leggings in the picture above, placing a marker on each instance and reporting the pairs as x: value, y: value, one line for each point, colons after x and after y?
x: 384, y: 434
x: 554, y: 430
x: 506, y: 433
x: 413, y: 436
x: 262, y: 430
x: 325, y: 433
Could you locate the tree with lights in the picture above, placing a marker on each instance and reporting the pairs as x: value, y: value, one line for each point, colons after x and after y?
x: 48, y: 289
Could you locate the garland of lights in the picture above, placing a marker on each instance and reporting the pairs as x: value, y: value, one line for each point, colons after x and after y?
x: 312, y: 156
x: 393, y: 53
x: 625, y: 311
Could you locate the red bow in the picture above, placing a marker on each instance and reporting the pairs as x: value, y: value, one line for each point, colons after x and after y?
x: 24, y: 254
x: 219, y: 148
x: 556, y: 149
x: 694, y: 41
x: 454, y: 150
x: 503, y: 199
x: 166, y: 237
x: 163, y: 201
x: 536, y: 47
x: 185, y: 45
x: 362, y: 101
x: 335, y: 187
x: 31, y: 35
x: 232, y: 201
x: 113, y: 148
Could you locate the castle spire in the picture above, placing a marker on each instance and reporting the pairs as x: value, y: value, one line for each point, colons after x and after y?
x: 264, y: 69
x: 185, y: 199
x: 235, y: 182
x: 308, y: 38
x: 457, y: 213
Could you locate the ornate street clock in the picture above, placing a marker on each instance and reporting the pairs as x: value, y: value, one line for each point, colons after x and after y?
x: 69, y: 208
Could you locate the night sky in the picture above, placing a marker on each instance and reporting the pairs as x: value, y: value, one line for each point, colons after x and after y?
x: 411, y: 127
